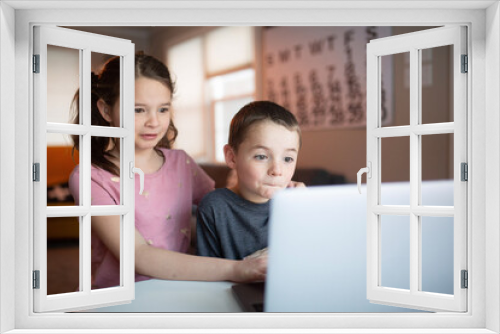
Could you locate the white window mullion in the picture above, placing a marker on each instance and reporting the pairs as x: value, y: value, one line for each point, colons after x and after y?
x: 128, y: 183
x: 434, y: 211
x: 85, y: 162
x: 434, y: 129
x: 423, y: 129
x: 75, y: 129
x: 373, y: 184
x: 415, y: 167
x: 85, y: 249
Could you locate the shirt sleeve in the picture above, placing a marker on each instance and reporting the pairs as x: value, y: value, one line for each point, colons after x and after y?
x: 202, y: 183
x: 74, y: 184
x: 207, y: 241
x: 104, y: 187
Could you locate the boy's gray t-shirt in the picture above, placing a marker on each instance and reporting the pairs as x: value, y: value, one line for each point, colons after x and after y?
x: 229, y: 226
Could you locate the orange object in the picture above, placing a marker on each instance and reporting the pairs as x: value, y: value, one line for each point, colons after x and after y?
x: 60, y: 164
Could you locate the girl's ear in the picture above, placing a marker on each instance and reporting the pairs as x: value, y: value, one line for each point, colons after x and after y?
x: 104, y: 110
x: 230, y: 156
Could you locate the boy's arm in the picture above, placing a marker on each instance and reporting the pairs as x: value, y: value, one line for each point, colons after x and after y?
x: 207, y: 239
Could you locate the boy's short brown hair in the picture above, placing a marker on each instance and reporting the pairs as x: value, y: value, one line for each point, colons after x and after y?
x: 259, y: 111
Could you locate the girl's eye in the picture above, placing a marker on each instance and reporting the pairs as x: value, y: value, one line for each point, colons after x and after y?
x: 139, y: 110
x: 164, y: 110
x: 289, y: 159
x: 260, y: 157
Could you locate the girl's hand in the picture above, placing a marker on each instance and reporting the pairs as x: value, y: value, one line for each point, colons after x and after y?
x: 251, y: 268
x: 295, y: 184
x: 258, y: 253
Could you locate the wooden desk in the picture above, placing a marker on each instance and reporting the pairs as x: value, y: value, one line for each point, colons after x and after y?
x: 178, y: 296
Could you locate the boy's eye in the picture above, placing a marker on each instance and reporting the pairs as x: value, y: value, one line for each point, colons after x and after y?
x: 288, y: 159
x: 139, y: 110
x: 164, y: 110
x: 260, y: 157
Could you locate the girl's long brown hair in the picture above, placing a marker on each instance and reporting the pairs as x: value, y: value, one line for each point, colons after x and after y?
x: 106, y: 86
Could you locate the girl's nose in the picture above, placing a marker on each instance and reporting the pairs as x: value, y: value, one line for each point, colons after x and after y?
x: 152, y: 119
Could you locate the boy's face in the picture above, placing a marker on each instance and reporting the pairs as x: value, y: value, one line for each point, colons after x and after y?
x: 265, y: 161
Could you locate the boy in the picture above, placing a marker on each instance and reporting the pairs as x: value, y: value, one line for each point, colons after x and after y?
x: 264, y: 141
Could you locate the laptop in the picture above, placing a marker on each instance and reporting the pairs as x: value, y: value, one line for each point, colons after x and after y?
x: 317, y: 250
x: 303, y: 238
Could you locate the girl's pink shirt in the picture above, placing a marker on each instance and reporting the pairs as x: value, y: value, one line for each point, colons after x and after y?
x: 162, y: 213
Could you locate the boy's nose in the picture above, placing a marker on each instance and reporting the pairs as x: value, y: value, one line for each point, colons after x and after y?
x: 275, y: 169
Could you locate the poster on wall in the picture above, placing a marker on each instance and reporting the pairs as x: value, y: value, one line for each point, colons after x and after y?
x: 319, y: 74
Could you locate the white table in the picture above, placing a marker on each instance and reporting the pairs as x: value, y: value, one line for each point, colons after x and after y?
x: 178, y: 296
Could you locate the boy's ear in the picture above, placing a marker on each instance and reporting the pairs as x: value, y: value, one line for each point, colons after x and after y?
x: 104, y: 110
x: 230, y: 156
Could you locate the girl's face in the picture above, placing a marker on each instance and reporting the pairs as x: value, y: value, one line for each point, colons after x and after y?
x: 265, y: 161
x: 152, y: 112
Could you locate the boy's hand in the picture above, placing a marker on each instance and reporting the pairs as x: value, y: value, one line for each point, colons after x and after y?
x: 295, y: 184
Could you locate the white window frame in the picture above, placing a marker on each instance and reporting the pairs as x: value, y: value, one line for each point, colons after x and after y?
x: 413, y: 43
x: 85, y: 43
x: 483, y: 124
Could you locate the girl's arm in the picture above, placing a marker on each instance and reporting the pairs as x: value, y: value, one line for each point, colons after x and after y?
x: 170, y: 265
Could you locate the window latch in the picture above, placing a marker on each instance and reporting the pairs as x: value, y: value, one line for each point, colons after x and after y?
x: 134, y: 170
x: 368, y: 171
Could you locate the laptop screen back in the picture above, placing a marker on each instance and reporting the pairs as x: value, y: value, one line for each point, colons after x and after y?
x: 317, y: 249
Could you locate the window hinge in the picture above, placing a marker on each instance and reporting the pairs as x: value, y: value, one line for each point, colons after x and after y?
x: 36, y: 279
x: 465, y: 64
x: 464, y: 172
x: 36, y: 172
x: 36, y: 63
x: 465, y: 279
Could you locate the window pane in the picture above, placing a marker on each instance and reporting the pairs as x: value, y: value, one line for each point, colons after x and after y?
x: 185, y: 62
x: 105, y: 189
x: 106, y: 267
x: 401, y: 89
x: 61, y: 160
x: 63, y: 81
x: 437, y: 84
x: 437, y: 254
x: 232, y: 85
x: 224, y: 112
x: 63, y: 255
x: 437, y: 165
x: 228, y: 48
x: 106, y: 87
x: 395, y: 251
x: 395, y: 168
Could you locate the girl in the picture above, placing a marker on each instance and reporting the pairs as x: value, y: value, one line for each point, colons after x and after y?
x: 173, y: 183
